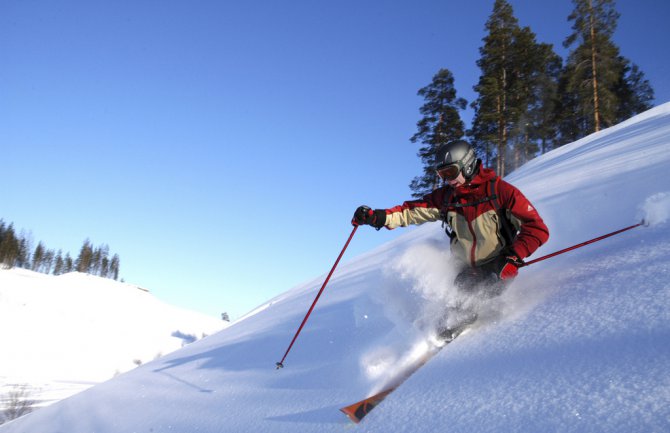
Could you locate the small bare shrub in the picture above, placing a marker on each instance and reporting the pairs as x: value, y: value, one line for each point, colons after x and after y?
x: 16, y: 402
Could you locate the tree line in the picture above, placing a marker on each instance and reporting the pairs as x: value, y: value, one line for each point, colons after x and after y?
x: 529, y: 100
x: 16, y: 251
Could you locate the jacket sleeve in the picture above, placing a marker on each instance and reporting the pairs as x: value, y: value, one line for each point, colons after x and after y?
x: 533, y: 232
x: 415, y: 212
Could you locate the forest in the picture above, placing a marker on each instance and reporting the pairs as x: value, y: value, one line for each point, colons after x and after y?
x: 530, y: 100
x: 16, y: 251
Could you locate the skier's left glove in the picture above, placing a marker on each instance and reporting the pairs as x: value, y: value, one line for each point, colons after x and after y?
x: 508, y: 264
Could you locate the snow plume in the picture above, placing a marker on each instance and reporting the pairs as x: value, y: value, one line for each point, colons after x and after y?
x: 656, y: 209
x: 415, y: 289
x: 420, y: 290
x: 386, y: 366
x: 424, y: 274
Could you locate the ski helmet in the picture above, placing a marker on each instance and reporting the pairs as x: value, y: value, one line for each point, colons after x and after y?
x: 455, y: 157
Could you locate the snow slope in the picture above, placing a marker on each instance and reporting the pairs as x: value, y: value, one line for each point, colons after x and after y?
x: 63, y: 334
x: 578, y: 342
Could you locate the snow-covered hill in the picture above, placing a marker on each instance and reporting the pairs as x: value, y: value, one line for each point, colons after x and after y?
x: 578, y: 343
x: 61, y: 335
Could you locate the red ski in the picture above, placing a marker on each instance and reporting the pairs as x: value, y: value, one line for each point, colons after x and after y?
x: 358, y: 410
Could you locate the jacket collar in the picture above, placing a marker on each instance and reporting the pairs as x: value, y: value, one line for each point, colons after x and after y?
x: 482, y: 176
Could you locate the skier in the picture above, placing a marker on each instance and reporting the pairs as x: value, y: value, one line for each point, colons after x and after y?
x: 491, y: 225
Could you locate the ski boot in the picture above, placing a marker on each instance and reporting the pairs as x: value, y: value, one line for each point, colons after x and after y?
x: 447, y: 334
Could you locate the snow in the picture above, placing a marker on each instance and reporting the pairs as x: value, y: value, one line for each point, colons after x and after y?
x: 63, y: 334
x: 578, y: 342
x: 656, y: 209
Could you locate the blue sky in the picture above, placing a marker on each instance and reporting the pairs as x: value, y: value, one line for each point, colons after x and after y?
x: 220, y: 148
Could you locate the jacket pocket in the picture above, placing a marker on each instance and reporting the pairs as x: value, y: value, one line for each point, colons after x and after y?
x: 489, y: 241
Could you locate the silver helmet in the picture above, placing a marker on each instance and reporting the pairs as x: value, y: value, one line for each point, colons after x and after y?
x: 458, y: 153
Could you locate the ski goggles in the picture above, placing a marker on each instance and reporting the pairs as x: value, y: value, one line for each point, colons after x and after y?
x: 449, y: 172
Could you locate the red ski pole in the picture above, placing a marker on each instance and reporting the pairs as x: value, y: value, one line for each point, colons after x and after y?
x: 574, y: 247
x: 280, y: 364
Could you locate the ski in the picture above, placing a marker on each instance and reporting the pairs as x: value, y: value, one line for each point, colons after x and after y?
x: 357, y: 411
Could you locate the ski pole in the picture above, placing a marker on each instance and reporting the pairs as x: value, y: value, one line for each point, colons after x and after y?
x: 280, y: 364
x: 574, y: 247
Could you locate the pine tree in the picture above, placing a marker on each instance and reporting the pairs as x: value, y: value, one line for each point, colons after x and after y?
x: 104, y: 261
x: 85, y: 259
x: 96, y: 261
x: 38, y: 257
x: 59, y: 266
x: 3, y: 243
x: 104, y: 271
x: 599, y: 86
x: 538, y: 68
x: 69, y: 264
x: 114, y: 267
x: 517, y: 91
x: 595, y: 66
x: 49, y: 257
x: 9, y: 247
x: 571, y: 119
x: 495, y: 109
x: 543, y: 108
x: 441, y: 123
x: 634, y: 91
x: 23, y: 260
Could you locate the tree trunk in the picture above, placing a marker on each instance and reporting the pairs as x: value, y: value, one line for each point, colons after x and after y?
x: 501, y: 137
x: 502, y: 123
x: 596, y: 107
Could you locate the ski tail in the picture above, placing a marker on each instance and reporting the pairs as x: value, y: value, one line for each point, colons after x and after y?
x: 357, y: 411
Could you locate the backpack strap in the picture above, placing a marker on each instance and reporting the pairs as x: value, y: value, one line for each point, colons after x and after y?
x: 507, y: 230
x: 475, y: 203
x: 494, y: 198
x: 490, y: 197
x: 445, y: 205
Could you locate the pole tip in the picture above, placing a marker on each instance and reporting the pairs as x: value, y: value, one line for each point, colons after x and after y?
x: 279, y: 365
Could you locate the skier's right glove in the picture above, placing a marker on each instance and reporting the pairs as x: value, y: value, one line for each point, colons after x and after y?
x: 366, y: 216
x: 508, y: 264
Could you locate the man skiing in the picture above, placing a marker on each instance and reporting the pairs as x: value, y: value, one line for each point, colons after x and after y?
x: 491, y: 225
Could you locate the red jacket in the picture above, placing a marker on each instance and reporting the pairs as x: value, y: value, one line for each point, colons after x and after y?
x: 471, y: 215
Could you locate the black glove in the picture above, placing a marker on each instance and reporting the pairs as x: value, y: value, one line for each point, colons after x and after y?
x: 365, y: 215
